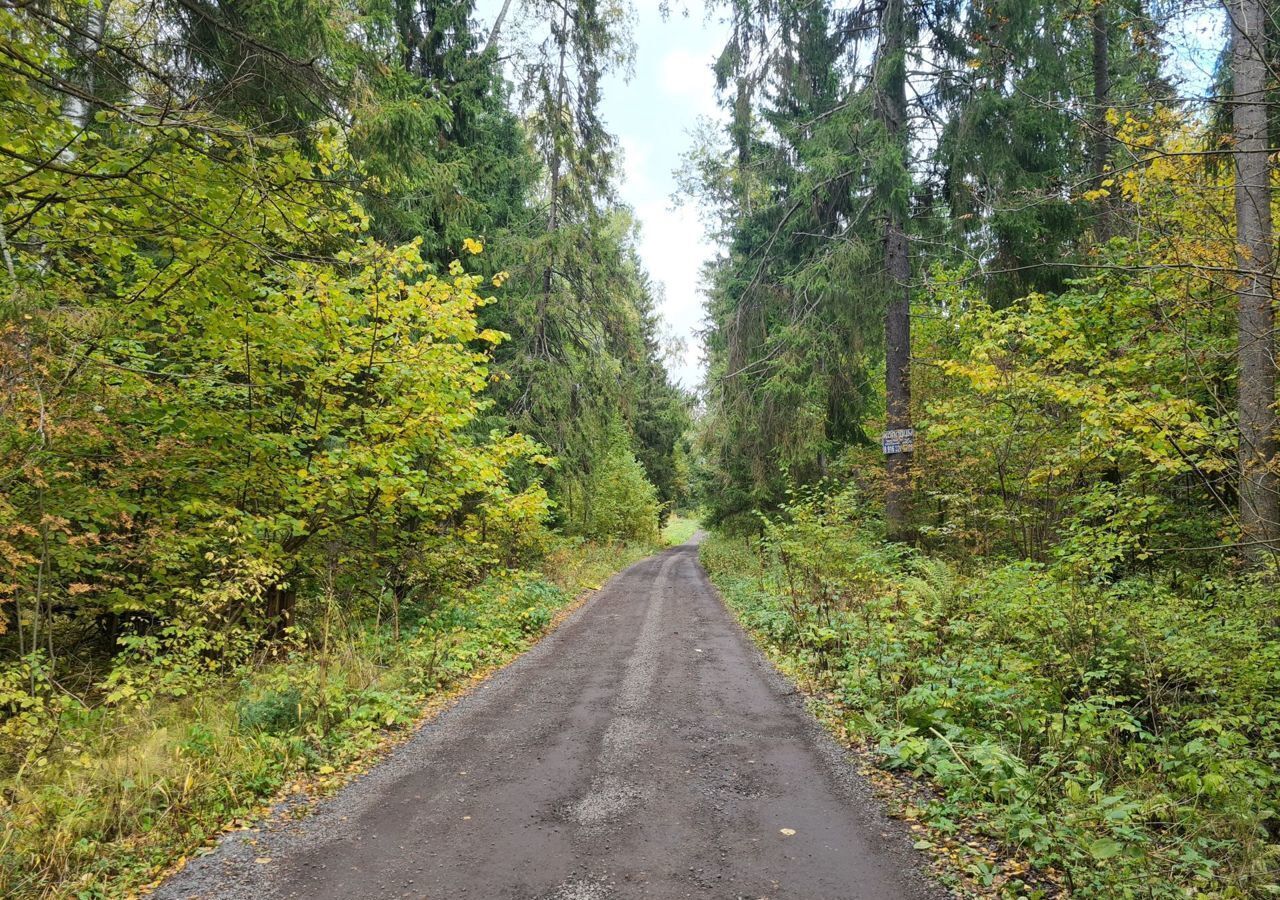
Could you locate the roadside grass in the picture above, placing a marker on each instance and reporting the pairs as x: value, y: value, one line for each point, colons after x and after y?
x: 1123, y: 739
x: 576, y: 565
x: 123, y: 790
x: 678, y: 530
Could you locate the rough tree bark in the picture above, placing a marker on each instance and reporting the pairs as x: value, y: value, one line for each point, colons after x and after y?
x: 1099, y: 140
x: 497, y: 26
x: 1259, y: 502
x: 891, y: 105
x: 88, y: 42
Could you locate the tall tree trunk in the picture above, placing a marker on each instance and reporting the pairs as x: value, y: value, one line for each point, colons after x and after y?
x: 497, y: 26
x: 891, y: 104
x: 1259, y: 503
x: 554, y: 165
x: 87, y: 45
x: 1100, y: 138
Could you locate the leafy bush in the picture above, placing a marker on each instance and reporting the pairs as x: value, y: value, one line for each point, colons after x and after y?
x: 615, y: 501
x: 108, y: 793
x: 1126, y: 735
x: 275, y: 713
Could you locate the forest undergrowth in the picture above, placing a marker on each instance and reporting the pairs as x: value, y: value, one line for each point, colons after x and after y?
x: 117, y: 790
x: 1123, y: 738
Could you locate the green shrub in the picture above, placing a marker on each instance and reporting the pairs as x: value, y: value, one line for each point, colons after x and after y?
x: 615, y: 501
x: 99, y: 796
x: 1126, y: 736
x: 275, y: 713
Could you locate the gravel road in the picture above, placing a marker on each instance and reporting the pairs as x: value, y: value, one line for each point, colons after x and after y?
x: 644, y: 749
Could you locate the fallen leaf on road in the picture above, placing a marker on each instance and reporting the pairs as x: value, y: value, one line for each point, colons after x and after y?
x: 787, y: 831
x: 263, y: 860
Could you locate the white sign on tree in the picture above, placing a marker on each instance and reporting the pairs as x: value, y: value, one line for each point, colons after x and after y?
x: 898, y: 440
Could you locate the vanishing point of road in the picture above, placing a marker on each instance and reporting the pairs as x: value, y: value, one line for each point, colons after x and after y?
x: 643, y: 749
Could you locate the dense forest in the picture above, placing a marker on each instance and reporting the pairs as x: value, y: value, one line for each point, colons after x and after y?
x: 315, y: 318
x: 331, y: 374
x: 991, y: 410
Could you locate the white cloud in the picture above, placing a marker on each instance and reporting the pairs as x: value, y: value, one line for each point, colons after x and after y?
x: 653, y: 116
x: 688, y: 75
x: 673, y: 245
x: 636, y: 185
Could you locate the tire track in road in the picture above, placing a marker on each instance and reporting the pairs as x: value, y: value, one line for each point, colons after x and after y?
x: 613, y: 793
x: 642, y: 750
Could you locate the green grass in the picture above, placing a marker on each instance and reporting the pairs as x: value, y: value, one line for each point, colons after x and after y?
x: 122, y: 790
x: 678, y: 530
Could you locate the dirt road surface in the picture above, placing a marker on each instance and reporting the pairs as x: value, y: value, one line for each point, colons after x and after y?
x: 644, y: 749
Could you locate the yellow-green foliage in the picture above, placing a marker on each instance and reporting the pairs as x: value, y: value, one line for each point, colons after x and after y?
x: 1125, y: 735
x: 1095, y: 425
x: 235, y: 426
x: 223, y: 395
x: 126, y: 787
x: 193, y: 425
x: 616, y: 501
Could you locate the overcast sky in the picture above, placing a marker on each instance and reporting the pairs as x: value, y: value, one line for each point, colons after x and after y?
x: 654, y: 115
